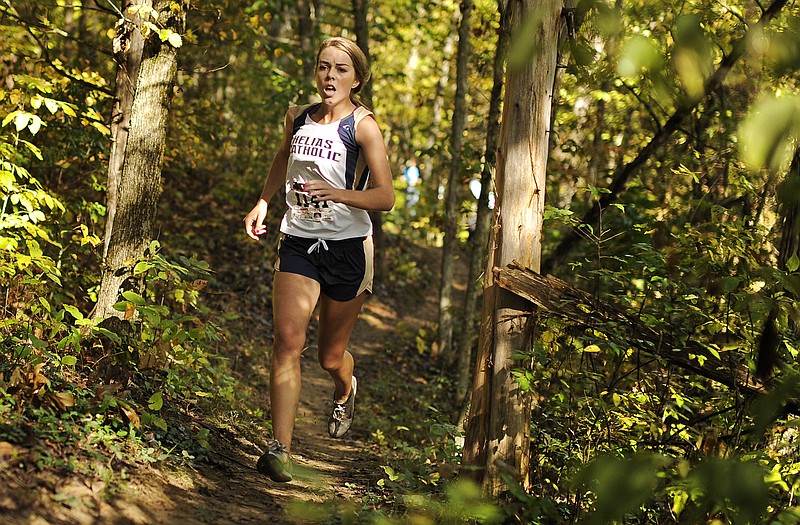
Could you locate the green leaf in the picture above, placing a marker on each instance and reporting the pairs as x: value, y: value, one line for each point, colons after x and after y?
x: 9, y: 118
x: 729, y: 284
x: 620, y: 484
x: 46, y: 304
x: 155, y: 402
x: 74, y: 312
x: 525, y: 41
x: 141, y: 267
x: 793, y: 263
x: 69, y: 360
x: 737, y: 485
x: 35, y: 125
x: 68, y: 109
x: 768, y: 132
x: 639, y: 54
x: 133, y: 297
x: 692, y: 56
x: 51, y: 105
x: 7, y: 180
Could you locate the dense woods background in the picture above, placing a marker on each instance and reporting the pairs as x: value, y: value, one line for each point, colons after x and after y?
x: 652, y: 373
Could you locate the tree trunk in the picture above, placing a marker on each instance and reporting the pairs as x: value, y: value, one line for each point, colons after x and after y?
x: 480, y: 237
x: 128, y: 46
x: 498, y: 428
x: 138, y: 186
x: 307, y: 32
x: 452, y: 214
x: 360, y: 12
x: 789, y: 198
x: 430, y: 175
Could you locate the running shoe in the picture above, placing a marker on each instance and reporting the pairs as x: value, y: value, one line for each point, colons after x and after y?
x: 342, y: 414
x: 276, y: 463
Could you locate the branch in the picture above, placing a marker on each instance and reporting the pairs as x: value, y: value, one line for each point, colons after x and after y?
x: 624, y: 173
x: 561, y: 299
x: 28, y: 26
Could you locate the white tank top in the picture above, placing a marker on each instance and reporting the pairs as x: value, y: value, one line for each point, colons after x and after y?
x: 328, y: 152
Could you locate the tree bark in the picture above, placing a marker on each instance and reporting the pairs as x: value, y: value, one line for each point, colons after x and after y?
x: 789, y: 198
x: 789, y: 248
x: 498, y: 428
x: 360, y: 18
x: 138, y: 187
x: 128, y: 47
x: 452, y: 214
x: 480, y: 237
x: 307, y: 32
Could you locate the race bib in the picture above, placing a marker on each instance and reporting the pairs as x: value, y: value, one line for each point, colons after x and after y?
x: 306, y: 207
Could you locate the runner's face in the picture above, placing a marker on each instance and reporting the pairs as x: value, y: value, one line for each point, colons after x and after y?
x: 336, y: 76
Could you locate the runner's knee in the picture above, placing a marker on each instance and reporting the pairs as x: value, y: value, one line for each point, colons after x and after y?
x: 331, y: 362
x: 288, y: 346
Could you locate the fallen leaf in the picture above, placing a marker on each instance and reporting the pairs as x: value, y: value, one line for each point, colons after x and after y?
x: 132, y: 416
x: 7, y: 450
x: 61, y: 400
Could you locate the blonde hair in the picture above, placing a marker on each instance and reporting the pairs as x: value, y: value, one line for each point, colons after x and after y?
x: 360, y: 63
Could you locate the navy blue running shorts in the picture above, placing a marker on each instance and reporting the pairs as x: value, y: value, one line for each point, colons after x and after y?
x: 343, y: 268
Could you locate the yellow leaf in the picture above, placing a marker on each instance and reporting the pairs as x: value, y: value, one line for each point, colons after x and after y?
x: 21, y: 121
x: 61, y: 400
x: 131, y: 414
x: 592, y: 349
x: 175, y: 40
x: 7, y: 450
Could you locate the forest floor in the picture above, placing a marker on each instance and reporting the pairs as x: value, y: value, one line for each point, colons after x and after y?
x: 225, y: 488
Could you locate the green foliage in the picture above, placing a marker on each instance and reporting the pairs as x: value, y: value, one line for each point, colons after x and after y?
x: 461, y: 502
x: 729, y: 490
x: 171, y: 333
x: 769, y: 134
x: 24, y: 202
x: 688, y: 250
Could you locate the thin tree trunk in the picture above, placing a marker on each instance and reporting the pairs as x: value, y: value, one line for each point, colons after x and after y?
x: 138, y: 187
x: 767, y: 355
x: 128, y: 47
x: 307, y: 31
x: 789, y: 199
x: 438, y: 114
x: 498, y: 428
x: 480, y: 237
x: 452, y: 214
x: 360, y: 16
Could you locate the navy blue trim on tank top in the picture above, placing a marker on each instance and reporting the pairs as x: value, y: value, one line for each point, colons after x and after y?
x: 300, y: 120
x: 347, y: 132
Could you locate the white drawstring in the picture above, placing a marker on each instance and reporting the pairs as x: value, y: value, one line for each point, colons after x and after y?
x: 316, y: 246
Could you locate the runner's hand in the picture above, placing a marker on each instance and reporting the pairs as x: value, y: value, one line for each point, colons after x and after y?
x: 254, y: 221
x: 321, y: 191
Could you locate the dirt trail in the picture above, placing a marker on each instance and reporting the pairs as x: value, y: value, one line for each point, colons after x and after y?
x: 227, y: 489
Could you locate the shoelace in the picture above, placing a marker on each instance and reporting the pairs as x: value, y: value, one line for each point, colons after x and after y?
x: 317, y: 245
x: 276, y: 446
x: 338, y: 411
